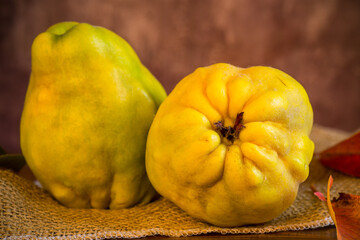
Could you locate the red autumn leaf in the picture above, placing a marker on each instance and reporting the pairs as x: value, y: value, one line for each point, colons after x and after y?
x: 345, y: 212
x: 344, y: 156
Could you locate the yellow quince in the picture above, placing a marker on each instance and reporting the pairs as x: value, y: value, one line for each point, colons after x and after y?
x: 230, y: 146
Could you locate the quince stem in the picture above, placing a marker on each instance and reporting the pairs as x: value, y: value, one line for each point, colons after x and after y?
x: 230, y: 133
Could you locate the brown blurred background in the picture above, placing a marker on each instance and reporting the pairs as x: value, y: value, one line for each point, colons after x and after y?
x: 316, y: 42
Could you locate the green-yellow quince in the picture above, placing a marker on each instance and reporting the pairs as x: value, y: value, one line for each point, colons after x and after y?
x: 88, y: 108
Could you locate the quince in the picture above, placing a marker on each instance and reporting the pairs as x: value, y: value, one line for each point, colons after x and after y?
x: 88, y: 108
x: 230, y: 146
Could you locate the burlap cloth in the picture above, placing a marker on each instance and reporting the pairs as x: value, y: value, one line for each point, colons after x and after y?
x: 29, y: 212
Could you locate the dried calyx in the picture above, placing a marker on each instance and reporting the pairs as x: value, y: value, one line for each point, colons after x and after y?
x: 230, y: 133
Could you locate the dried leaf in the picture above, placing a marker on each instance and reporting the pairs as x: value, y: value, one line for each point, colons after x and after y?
x: 11, y: 161
x: 344, y: 157
x: 345, y: 212
x: 2, y: 151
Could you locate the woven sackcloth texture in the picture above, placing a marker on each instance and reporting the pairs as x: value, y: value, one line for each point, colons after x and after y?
x: 29, y: 212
